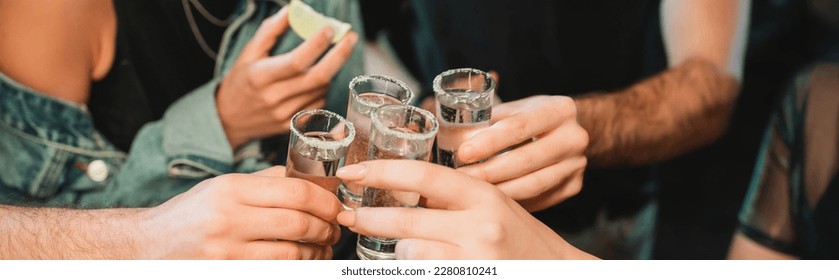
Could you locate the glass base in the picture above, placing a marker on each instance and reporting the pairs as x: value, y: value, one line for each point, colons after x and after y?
x: 348, y: 199
x: 373, y: 248
x: 367, y: 254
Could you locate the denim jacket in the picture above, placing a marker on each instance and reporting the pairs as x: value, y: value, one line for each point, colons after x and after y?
x: 53, y: 156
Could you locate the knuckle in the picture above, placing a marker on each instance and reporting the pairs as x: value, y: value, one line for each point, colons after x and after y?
x: 492, y: 232
x: 329, y: 235
x: 575, y: 188
x: 252, y: 76
x: 524, y: 161
x: 222, y: 180
x: 482, y: 171
x: 300, y: 191
x: 292, y: 252
x: 218, y: 227
x: 521, y: 129
x: 297, y: 225
x: 265, y: 99
x: 296, y: 63
x: 584, y: 138
x: 407, y: 223
x: 525, y: 190
x: 572, y: 186
x: 583, y: 162
x: 318, y: 78
x: 566, y: 104
x: 426, y: 174
x: 326, y: 253
x: 281, y: 114
x: 492, y: 195
x: 561, y: 100
x: 564, y: 100
x: 223, y: 189
x: 542, y: 182
x: 519, y: 125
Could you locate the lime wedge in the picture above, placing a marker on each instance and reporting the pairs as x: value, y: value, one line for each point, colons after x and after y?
x: 305, y: 21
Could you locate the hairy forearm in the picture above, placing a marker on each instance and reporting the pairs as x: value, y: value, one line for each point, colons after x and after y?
x: 52, y: 233
x: 664, y: 116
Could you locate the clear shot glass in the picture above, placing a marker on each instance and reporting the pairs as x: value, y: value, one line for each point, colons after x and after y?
x: 318, y: 146
x: 398, y: 132
x: 464, y: 105
x: 367, y: 92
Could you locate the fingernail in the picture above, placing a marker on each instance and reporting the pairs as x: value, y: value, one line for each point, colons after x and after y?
x: 329, y: 33
x: 347, y: 218
x: 352, y: 172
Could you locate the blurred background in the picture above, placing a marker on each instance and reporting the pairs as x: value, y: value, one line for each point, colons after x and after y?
x: 699, y: 193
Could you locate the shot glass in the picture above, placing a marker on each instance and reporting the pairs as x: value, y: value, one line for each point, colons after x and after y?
x: 367, y: 92
x: 398, y: 132
x: 464, y: 105
x: 318, y: 146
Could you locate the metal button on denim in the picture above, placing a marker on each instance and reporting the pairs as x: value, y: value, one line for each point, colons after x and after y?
x: 97, y: 170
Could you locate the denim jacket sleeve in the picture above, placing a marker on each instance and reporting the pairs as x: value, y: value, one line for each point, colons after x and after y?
x: 169, y: 156
x: 189, y: 143
x: 194, y: 141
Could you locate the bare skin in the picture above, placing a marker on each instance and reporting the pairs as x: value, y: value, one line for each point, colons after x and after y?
x: 61, y: 47
x: 683, y: 108
x: 236, y: 216
x: 478, y: 221
x: 259, y: 92
x: 262, y: 92
x: 85, y: 30
x: 667, y: 115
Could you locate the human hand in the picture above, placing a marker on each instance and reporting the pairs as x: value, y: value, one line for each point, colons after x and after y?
x: 538, y: 174
x: 261, y: 93
x: 244, y: 216
x: 478, y: 222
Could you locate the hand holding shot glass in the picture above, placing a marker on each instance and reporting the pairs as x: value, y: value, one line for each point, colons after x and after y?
x: 367, y: 92
x: 318, y: 145
x: 398, y: 132
x: 464, y: 105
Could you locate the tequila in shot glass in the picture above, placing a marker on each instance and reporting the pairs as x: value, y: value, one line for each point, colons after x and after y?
x: 464, y: 105
x: 398, y: 132
x: 367, y: 92
x: 318, y: 146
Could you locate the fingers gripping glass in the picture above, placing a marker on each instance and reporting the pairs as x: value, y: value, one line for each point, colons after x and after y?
x: 367, y: 92
x: 398, y: 132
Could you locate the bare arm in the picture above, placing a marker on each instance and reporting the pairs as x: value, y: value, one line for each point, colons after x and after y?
x: 51, y: 233
x: 235, y: 216
x: 682, y: 108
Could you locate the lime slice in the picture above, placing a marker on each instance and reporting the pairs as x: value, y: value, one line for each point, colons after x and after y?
x: 305, y: 21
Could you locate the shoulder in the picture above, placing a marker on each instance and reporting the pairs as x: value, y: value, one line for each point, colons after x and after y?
x: 57, y: 47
